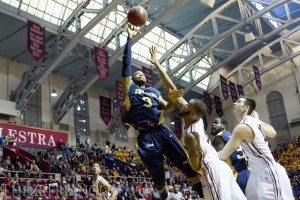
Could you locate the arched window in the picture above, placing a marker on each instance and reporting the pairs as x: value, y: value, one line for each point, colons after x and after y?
x: 33, y: 113
x: 276, y: 111
x: 81, y: 116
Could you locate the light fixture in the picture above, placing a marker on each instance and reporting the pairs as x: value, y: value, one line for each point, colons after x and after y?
x: 172, y: 123
x: 53, y: 93
x: 249, y: 37
x: 209, y: 3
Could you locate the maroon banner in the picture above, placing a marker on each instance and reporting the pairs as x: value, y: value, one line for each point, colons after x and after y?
x: 233, y: 91
x: 101, y: 63
x: 204, y: 122
x: 218, y: 105
x: 33, y: 137
x: 36, y: 41
x: 120, y: 100
x: 207, y: 101
x: 257, y: 77
x: 149, y: 76
x: 105, y: 109
x: 178, y: 127
x: 240, y: 89
x: 224, y: 88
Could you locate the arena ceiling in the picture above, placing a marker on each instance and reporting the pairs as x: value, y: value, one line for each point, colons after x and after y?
x: 194, y: 40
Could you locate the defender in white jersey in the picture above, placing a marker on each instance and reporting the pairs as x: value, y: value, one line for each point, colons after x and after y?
x: 218, y: 181
x: 268, y: 179
x: 101, y: 187
x: 217, y: 177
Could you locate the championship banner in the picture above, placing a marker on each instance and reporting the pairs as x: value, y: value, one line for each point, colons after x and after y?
x: 257, y: 77
x: 101, y: 63
x: 240, y: 89
x: 105, y: 109
x: 207, y: 101
x: 33, y: 137
x: 149, y: 76
x: 233, y: 91
x: 224, y: 88
x: 36, y: 41
x: 204, y: 122
x: 178, y: 127
x: 120, y: 100
x: 218, y: 105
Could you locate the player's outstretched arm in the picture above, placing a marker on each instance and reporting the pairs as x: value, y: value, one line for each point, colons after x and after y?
x: 168, y: 84
x: 127, y: 68
x: 173, y: 96
x: 239, y: 134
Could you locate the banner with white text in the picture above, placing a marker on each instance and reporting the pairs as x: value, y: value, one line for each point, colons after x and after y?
x: 33, y: 137
x: 101, y: 63
x: 36, y: 41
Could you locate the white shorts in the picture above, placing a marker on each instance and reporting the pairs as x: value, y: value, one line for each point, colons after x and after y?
x: 284, y: 183
x: 219, y: 183
x: 270, y: 183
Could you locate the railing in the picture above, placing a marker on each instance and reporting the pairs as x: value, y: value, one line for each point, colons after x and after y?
x: 24, y: 156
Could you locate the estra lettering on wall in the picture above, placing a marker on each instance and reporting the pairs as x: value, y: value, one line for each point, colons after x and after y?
x: 33, y: 137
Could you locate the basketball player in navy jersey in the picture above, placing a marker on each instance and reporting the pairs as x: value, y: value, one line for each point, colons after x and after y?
x: 268, y: 180
x: 217, y: 177
x: 145, y: 108
x: 237, y: 160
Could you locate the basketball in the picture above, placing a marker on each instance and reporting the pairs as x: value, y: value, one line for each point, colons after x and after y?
x: 137, y: 16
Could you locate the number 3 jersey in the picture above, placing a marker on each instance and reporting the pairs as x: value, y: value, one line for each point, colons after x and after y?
x: 143, y: 108
x: 257, y: 151
x: 237, y: 158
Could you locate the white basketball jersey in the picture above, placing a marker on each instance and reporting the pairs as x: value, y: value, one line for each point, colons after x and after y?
x: 207, y: 150
x: 258, y: 150
x: 98, y: 180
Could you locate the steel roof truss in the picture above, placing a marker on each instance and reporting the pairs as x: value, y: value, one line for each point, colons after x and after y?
x: 82, y: 88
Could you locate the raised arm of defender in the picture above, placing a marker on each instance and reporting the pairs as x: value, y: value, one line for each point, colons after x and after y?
x: 165, y: 78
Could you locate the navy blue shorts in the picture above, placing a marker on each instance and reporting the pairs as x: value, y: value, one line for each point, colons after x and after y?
x: 154, y: 143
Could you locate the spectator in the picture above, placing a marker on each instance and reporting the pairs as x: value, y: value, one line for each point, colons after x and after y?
x: 77, y: 138
x: 51, y: 183
x: 7, y: 162
x: 27, y: 188
x: 176, y: 194
x: 87, y: 143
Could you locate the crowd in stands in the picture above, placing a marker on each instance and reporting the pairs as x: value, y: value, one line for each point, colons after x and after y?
x: 121, y: 166
x: 288, y: 154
